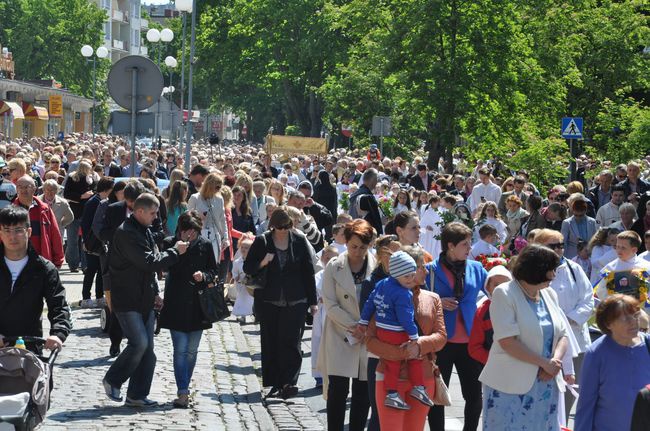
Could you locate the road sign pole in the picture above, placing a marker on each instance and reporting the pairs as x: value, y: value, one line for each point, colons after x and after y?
x: 572, y: 165
x: 381, y: 135
x: 134, y: 113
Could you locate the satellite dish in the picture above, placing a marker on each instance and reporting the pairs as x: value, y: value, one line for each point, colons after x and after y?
x: 149, y: 83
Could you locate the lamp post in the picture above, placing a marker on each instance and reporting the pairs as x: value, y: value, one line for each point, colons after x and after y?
x: 171, y: 64
x: 184, y: 7
x: 154, y: 36
x: 87, y: 51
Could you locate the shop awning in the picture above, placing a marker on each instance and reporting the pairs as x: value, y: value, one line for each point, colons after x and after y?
x: 11, y: 108
x: 33, y: 112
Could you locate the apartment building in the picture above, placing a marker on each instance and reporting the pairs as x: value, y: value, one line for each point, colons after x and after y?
x: 123, y: 29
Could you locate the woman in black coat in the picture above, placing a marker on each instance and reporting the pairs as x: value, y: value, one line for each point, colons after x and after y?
x: 280, y: 306
x: 325, y: 194
x: 181, y: 313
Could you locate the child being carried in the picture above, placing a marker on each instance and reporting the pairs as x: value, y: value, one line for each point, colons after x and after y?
x: 392, y: 304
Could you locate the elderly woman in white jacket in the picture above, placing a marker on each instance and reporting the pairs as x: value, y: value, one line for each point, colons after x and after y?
x: 522, y: 379
x: 343, y: 357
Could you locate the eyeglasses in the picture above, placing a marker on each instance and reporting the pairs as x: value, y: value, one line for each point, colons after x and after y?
x: 284, y: 227
x: 555, y: 246
x: 6, y: 174
x: 14, y: 231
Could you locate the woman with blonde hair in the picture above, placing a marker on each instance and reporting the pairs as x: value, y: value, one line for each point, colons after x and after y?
x: 244, y: 181
x: 79, y: 187
x: 176, y: 175
x: 276, y: 191
x: 209, y: 204
x: 508, y: 185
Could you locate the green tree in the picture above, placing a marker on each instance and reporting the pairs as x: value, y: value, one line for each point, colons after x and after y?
x: 46, y: 38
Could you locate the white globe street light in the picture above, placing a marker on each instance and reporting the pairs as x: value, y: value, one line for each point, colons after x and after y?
x: 166, y: 35
x: 184, y: 6
x: 102, y: 52
x: 171, y: 89
x: 171, y: 62
x: 153, y: 35
x: 87, y: 51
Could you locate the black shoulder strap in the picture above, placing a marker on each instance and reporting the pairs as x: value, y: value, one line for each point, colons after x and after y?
x: 573, y: 274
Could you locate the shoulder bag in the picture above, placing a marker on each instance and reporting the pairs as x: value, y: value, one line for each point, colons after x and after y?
x: 213, y: 303
x: 441, y: 397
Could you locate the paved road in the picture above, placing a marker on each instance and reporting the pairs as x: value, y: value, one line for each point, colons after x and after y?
x: 226, y: 392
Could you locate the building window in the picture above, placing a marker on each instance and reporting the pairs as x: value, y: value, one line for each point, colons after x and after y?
x: 135, y: 9
x: 106, y: 4
x: 107, y: 30
x: 135, y: 38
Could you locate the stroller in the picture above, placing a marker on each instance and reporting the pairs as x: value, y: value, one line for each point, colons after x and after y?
x: 25, y: 384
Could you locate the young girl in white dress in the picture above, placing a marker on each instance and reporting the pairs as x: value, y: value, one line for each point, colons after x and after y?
x: 244, y: 302
x: 429, y: 227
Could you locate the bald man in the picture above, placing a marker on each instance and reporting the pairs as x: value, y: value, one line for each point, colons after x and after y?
x: 46, y: 236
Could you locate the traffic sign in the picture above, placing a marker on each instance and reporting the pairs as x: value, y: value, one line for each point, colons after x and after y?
x: 572, y: 127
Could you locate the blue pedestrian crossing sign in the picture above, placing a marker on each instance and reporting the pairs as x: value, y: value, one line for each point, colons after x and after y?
x: 572, y: 127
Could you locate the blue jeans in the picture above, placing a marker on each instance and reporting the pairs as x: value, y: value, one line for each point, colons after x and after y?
x: 73, y: 247
x: 186, y: 345
x: 137, y: 361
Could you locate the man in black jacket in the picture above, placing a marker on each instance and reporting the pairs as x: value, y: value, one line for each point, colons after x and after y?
x: 133, y: 263
x: 26, y: 279
x: 423, y: 180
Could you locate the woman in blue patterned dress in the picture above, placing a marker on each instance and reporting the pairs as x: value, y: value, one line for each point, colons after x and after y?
x: 522, y: 376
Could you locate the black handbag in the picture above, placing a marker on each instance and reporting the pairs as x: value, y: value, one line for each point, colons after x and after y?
x: 213, y: 303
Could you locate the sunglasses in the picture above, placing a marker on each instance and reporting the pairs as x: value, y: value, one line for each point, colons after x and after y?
x: 555, y: 246
x: 284, y: 227
x: 644, y: 330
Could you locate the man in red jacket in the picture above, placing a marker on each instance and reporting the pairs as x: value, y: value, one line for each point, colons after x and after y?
x: 46, y: 237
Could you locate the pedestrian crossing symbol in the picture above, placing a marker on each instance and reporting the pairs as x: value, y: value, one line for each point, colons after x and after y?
x: 572, y: 128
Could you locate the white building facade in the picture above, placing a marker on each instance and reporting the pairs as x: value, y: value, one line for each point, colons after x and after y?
x: 123, y: 28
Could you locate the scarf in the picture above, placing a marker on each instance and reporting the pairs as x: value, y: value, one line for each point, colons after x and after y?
x: 458, y: 270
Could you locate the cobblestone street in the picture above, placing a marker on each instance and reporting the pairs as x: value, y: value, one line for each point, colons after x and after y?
x: 226, y: 391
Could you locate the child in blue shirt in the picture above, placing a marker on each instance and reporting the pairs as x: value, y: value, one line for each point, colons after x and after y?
x: 391, y: 302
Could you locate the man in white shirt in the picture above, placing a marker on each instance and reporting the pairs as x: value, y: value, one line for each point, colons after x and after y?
x: 609, y: 213
x: 485, y: 191
x: 292, y: 179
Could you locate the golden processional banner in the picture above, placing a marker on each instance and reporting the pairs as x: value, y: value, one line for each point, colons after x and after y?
x: 295, y: 145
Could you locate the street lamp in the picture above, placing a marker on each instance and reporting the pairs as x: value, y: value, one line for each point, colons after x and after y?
x: 87, y: 51
x: 154, y: 36
x: 184, y: 7
x: 171, y: 64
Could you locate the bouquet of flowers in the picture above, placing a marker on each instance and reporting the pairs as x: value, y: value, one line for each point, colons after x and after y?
x: 490, y: 261
x: 344, y: 201
x: 386, y: 206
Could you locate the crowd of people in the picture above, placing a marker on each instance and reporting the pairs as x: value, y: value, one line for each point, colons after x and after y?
x: 403, y: 272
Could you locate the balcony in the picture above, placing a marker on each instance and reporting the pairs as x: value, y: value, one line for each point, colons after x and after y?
x: 144, y: 24
x: 118, y: 44
x: 118, y: 15
x: 144, y: 51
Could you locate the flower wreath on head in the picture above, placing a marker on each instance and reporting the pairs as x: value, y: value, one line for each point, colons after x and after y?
x: 641, y: 275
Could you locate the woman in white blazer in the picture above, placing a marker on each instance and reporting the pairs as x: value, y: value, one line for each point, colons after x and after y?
x: 521, y: 379
x: 209, y: 204
x: 342, y: 357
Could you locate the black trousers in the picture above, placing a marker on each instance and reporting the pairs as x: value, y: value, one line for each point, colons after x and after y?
x: 280, y: 336
x: 373, y: 423
x: 337, y: 396
x: 224, y: 267
x: 93, y: 272
x: 468, y: 373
